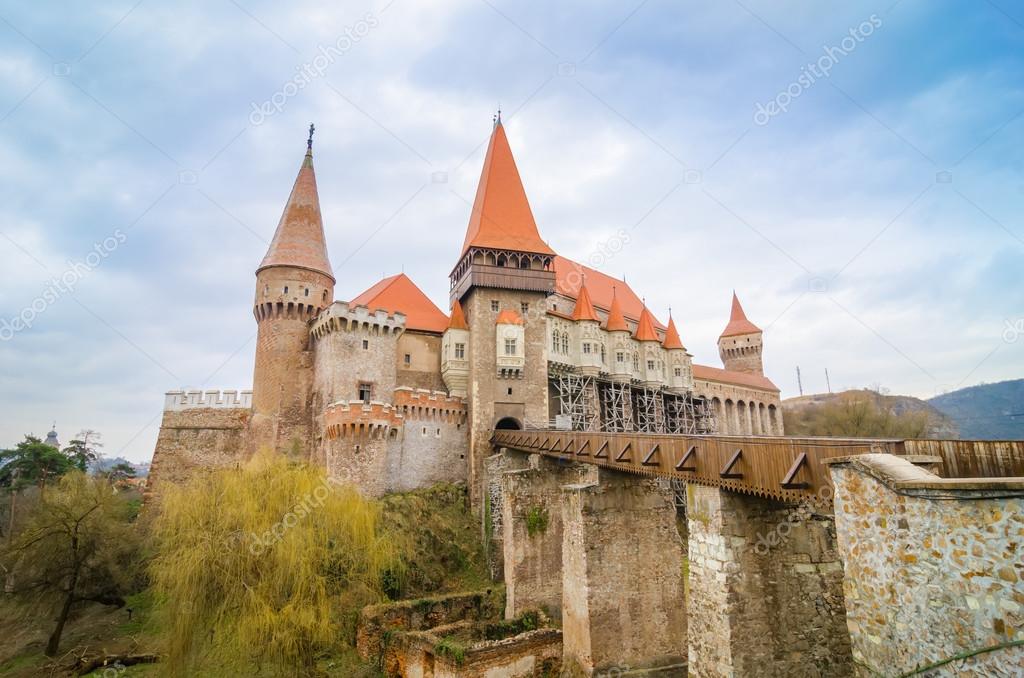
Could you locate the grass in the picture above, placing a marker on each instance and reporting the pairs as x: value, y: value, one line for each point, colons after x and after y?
x: 537, y: 519
x: 451, y: 648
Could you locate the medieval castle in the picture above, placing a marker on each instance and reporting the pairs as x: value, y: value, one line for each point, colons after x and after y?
x: 391, y: 393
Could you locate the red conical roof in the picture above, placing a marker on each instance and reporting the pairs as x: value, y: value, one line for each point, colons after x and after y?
x: 616, y: 322
x: 584, y: 309
x: 672, y: 339
x: 299, y: 239
x: 398, y: 293
x: 501, y: 217
x: 458, y: 320
x: 738, y: 323
x: 645, y: 327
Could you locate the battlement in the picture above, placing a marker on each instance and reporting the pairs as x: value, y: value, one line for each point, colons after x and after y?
x: 340, y: 317
x: 175, y: 401
x: 373, y: 419
x: 419, y: 403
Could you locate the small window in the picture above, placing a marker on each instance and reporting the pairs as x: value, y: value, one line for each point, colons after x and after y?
x: 460, y: 351
x: 650, y: 365
x: 424, y: 431
x: 286, y: 289
x: 438, y: 434
x: 407, y: 359
x: 510, y: 347
x: 307, y: 292
x: 325, y: 296
x: 524, y: 307
x: 603, y: 355
x: 586, y: 347
x: 554, y: 341
x: 679, y: 372
x: 365, y: 391
x: 620, y: 357
x: 510, y: 390
x: 494, y: 305
x: 366, y: 344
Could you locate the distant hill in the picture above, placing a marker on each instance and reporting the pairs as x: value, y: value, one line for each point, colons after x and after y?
x: 865, y: 413
x: 987, y: 411
x: 106, y: 463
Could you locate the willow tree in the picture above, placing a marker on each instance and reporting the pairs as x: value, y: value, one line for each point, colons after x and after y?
x: 258, y: 568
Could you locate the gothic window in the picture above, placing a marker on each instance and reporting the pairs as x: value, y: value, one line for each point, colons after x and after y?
x: 510, y: 347
x: 460, y: 351
x: 554, y: 340
x: 602, y: 354
x: 586, y: 347
x: 494, y: 305
x: 365, y: 391
x: 501, y: 260
x: 565, y: 342
x: 636, y: 362
x: 620, y: 357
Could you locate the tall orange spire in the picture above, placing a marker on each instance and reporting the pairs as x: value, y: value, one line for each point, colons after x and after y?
x: 738, y: 323
x: 672, y: 339
x: 458, y: 319
x: 299, y: 239
x: 616, y: 321
x: 584, y: 309
x: 501, y: 217
x: 645, y: 327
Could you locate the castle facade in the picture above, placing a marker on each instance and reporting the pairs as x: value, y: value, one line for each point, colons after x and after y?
x: 390, y: 392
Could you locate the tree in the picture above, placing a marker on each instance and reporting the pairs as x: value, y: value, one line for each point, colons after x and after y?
x: 857, y: 414
x: 78, y: 545
x: 83, y: 450
x: 119, y: 472
x: 31, y: 461
x: 263, y: 568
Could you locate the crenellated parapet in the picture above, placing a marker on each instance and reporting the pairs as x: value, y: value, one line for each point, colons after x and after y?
x: 176, y: 401
x: 356, y: 418
x: 341, y: 317
x: 421, y: 404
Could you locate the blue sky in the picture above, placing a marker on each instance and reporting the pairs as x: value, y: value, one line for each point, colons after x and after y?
x: 873, y: 227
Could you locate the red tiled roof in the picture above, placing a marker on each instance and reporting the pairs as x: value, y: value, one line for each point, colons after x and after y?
x: 672, y: 339
x: 645, y: 328
x: 707, y: 373
x: 738, y: 323
x: 569, y: 276
x: 501, y: 216
x: 399, y: 293
x: 584, y: 309
x: 458, y: 320
x: 509, y: 317
x: 299, y: 239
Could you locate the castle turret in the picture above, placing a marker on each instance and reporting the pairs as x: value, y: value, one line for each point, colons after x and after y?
x: 589, y: 342
x: 622, y: 349
x: 652, y: 363
x: 293, y: 284
x: 680, y: 362
x: 740, y: 345
x: 455, y: 353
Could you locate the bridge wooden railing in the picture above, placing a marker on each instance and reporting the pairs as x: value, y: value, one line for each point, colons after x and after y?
x: 789, y: 469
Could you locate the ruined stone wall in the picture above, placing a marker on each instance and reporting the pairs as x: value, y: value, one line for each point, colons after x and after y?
x: 493, y: 530
x: 622, y: 579
x: 767, y: 587
x: 195, y: 441
x: 933, y: 568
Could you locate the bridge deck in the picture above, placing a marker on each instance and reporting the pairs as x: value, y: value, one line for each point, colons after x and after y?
x: 789, y: 469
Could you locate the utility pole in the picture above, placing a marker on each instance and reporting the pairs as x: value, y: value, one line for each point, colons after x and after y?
x: 799, y: 383
x: 828, y: 384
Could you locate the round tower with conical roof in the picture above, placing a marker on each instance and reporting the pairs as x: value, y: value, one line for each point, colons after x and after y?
x: 294, y: 283
x: 741, y: 345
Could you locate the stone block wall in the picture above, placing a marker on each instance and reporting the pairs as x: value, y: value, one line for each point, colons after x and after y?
x: 766, y: 587
x: 934, y: 568
x: 623, y: 600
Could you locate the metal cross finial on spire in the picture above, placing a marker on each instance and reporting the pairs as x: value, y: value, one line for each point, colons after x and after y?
x: 309, y: 141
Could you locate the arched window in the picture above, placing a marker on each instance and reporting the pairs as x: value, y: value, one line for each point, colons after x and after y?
x: 565, y: 342
x: 554, y: 340
x: 602, y: 354
x: 636, y: 362
x: 501, y: 260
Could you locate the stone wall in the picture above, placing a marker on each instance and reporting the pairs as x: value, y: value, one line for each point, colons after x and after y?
x: 492, y: 523
x: 196, y: 441
x: 424, y: 367
x: 933, y: 568
x: 623, y: 601
x: 766, y: 583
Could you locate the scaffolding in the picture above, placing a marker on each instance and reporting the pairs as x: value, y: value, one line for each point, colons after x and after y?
x: 650, y: 410
x: 617, y: 414
x: 689, y: 415
x: 577, y: 399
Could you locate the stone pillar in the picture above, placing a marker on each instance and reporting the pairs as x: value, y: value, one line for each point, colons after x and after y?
x: 767, y: 588
x: 491, y: 522
x: 933, y: 568
x: 532, y: 533
x: 622, y: 591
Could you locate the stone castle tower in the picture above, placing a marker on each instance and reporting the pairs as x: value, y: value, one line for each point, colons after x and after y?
x: 740, y: 345
x: 294, y: 283
x: 503, y: 276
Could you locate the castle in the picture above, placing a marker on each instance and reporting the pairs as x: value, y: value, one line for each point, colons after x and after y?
x: 391, y: 393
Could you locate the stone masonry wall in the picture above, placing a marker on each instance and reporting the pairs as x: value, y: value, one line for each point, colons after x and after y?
x: 933, y: 568
x: 766, y: 583
x: 622, y: 579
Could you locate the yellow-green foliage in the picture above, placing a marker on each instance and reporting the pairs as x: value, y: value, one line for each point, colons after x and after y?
x: 259, y: 568
x: 856, y: 414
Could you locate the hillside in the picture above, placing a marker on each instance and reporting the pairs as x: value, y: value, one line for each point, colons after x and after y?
x: 865, y: 413
x: 987, y: 411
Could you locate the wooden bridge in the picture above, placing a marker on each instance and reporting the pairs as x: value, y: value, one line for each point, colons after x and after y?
x: 784, y: 468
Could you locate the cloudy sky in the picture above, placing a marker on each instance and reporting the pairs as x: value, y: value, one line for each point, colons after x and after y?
x: 853, y: 170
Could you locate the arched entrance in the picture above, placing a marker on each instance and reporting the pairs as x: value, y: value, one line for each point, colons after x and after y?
x: 507, y: 424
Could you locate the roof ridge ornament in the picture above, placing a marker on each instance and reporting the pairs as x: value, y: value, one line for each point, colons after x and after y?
x: 309, y: 141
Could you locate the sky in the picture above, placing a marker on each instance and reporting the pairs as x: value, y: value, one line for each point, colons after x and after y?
x: 855, y: 171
